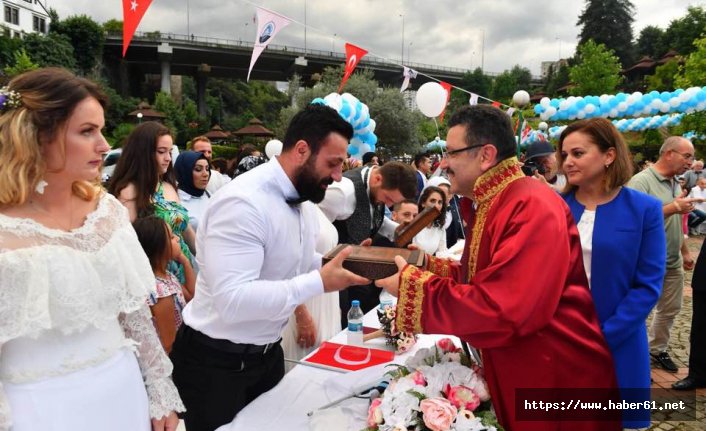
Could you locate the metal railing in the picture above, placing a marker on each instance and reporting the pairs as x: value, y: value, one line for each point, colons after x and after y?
x: 216, y: 42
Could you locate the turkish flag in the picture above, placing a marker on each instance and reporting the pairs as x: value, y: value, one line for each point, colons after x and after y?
x: 349, y: 358
x: 447, y: 87
x: 353, y: 56
x: 496, y: 104
x: 133, y: 11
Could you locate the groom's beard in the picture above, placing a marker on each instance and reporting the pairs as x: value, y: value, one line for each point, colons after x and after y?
x: 310, y: 186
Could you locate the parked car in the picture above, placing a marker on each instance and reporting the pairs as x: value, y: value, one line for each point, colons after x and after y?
x: 109, y: 162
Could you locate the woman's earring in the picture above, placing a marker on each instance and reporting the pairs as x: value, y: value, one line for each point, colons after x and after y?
x: 40, y: 187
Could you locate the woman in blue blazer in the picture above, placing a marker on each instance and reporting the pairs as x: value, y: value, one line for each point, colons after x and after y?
x: 624, y: 248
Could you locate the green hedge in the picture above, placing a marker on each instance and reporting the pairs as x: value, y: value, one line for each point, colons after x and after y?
x: 225, y: 151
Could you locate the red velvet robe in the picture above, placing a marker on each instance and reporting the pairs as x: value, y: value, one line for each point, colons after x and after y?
x: 527, y: 306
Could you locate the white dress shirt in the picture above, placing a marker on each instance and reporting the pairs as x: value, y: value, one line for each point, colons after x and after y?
x: 431, y: 239
x: 697, y: 192
x: 256, y: 257
x: 216, y: 181
x: 340, y: 203
x: 195, y: 205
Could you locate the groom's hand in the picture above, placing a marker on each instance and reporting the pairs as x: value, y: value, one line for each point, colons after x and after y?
x: 336, y: 277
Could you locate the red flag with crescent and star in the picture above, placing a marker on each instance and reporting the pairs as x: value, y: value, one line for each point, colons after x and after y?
x: 446, y: 87
x: 353, y: 56
x: 133, y: 11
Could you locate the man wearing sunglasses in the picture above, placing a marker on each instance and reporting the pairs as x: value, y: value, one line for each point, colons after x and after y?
x: 535, y: 324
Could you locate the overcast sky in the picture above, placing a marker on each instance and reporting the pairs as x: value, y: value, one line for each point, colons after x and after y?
x: 442, y: 32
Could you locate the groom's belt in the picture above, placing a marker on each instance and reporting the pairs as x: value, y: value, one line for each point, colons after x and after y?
x: 225, y: 345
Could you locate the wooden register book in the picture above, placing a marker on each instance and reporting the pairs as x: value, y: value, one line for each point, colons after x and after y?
x: 379, y: 262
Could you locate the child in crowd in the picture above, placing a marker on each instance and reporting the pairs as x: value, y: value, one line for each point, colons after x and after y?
x: 168, y: 300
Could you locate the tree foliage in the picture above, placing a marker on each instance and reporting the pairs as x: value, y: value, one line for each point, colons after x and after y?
x: 175, y: 119
x: 8, y: 47
x: 86, y: 36
x: 397, y: 126
x: 663, y: 78
x: 113, y: 26
x: 597, y: 71
x: 609, y: 22
x: 693, y: 72
x: 52, y: 49
x: 476, y: 82
x: 650, y: 42
x: 22, y: 63
x: 682, y: 32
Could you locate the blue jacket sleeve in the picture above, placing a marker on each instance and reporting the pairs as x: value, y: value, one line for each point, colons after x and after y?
x: 647, y: 283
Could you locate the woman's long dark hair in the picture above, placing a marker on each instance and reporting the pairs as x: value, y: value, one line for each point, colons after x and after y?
x: 138, y: 165
x: 441, y: 220
x: 153, y: 234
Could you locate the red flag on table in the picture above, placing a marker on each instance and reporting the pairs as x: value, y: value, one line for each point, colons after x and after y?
x: 447, y: 87
x: 268, y: 25
x: 353, y: 56
x: 351, y: 358
x: 133, y: 11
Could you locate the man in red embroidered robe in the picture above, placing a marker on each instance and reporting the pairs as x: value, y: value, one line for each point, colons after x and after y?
x: 520, y: 293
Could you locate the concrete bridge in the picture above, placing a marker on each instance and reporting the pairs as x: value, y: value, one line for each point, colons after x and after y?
x: 169, y: 54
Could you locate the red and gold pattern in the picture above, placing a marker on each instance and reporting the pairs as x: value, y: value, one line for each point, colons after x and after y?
x: 411, y: 296
x: 440, y: 267
x: 485, y: 192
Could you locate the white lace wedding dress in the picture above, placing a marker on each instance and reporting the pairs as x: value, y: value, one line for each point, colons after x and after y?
x: 78, y: 349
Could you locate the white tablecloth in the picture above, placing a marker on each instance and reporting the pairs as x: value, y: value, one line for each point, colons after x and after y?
x: 305, y: 389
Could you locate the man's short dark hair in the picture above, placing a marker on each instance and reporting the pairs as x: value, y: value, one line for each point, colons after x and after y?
x: 368, y: 157
x: 399, y: 176
x: 418, y: 158
x: 313, y: 124
x: 398, y: 205
x: 486, y: 124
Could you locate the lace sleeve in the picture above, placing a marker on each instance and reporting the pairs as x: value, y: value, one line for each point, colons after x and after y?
x: 154, y: 363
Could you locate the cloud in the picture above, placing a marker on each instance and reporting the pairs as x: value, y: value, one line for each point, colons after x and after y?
x: 445, y: 33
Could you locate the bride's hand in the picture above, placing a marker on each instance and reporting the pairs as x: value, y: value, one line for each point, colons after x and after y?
x: 167, y: 423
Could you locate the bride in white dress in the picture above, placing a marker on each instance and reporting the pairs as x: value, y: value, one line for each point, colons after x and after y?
x: 78, y: 349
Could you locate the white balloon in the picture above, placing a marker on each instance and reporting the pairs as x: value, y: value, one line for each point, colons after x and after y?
x: 604, y: 99
x: 431, y: 99
x: 334, y: 100
x: 371, y: 126
x: 622, y: 106
x: 521, y: 98
x: 590, y: 108
x: 674, y: 102
x: 564, y: 104
x: 581, y: 115
x: 273, y: 148
x: 551, y: 111
x: 348, y: 97
x: 544, y: 102
x: 365, y: 148
x: 664, y: 107
x: 630, y: 99
x: 543, y: 126
x: 613, y: 113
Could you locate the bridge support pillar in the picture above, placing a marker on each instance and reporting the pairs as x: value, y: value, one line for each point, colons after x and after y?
x: 201, y: 77
x: 164, y: 52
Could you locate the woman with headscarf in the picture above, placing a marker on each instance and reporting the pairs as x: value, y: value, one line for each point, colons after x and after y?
x: 193, y: 172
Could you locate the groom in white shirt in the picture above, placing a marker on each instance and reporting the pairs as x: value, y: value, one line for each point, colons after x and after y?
x: 255, y: 250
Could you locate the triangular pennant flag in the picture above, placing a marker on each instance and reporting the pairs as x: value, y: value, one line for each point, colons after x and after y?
x: 353, y: 56
x: 447, y: 87
x: 510, y: 111
x: 133, y: 11
x: 408, y: 74
x: 268, y: 25
x: 496, y: 104
x: 473, y: 100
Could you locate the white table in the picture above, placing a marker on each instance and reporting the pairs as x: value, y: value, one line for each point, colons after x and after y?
x: 305, y: 389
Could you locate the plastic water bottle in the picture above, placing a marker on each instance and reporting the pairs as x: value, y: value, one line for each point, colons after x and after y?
x: 386, y: 299
x: 355, y: 324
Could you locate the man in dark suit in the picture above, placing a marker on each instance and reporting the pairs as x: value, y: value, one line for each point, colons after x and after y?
x: 697, y: 338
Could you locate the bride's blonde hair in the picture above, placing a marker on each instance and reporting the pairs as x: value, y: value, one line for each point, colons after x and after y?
x: 47, y: 98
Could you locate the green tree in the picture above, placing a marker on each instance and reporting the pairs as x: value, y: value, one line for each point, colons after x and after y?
x: 504, y: 86
x: 8, y: 47
x: 120, y: 134
x: 663, y: 78
x: 523, y: 77
x: 52, y: 49
x: 476, y: 82
x: 86, y: 37
x: 22, y: 63
x: 597, y: 71
x: 609, y: 22
x: 682, y: 32
x: 118, y: 107
x: 113, y: 26
x: 651, y: 42
x: 693, y: 72
x: 175, y: 118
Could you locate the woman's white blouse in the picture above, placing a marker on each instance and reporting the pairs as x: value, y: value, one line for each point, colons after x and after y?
x: 72, y: 300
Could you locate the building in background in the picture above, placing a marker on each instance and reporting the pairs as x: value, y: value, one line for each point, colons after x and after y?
x: 24, y: 16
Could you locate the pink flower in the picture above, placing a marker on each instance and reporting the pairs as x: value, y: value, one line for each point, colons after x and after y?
x: 375, y: 413
x: 462, y: 397
x: 438, y: 413
x: 446, y: 345
x: 418, y: 378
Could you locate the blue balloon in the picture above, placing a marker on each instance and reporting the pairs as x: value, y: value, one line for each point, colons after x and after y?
x: 665, y: 96
x: 580, y: 104
x: 647, y: 99
x: 554, y: 103
x: 538, y: 109
x: 621, y: 97
x: 318, y: 101
x: 345, y: 111
x: 353, y: 149
x: 701, y: 95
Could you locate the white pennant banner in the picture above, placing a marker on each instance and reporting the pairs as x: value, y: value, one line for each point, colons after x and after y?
x: 268, y: 25
x: 408, y: 74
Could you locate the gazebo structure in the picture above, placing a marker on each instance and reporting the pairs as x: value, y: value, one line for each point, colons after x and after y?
x: 217, y: 134
x: 636, y: 72
x: 255, y: 128
x: 144, y: 112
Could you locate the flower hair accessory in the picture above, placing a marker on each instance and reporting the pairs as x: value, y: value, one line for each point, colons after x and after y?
x: 9, y: 99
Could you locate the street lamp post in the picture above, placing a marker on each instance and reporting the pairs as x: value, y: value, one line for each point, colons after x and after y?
x: 402, y: 59
x: 409, y: 53
x: 139, y: 117
x: 332, y: 40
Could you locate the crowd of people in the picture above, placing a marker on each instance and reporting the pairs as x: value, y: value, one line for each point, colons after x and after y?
x: 181, y: 287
